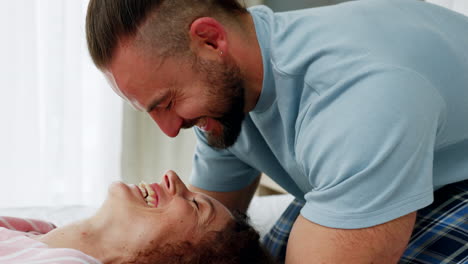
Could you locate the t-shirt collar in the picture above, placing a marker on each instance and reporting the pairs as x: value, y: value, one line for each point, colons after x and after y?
x: 262, y: 17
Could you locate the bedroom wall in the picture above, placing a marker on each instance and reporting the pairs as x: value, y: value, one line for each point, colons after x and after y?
x: 460, y: 6
x: 281, y: 5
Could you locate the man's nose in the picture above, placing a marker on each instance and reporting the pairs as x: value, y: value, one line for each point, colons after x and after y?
x: 169, y: 122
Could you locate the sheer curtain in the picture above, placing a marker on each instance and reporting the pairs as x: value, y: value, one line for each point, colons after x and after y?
x: 60, y: 123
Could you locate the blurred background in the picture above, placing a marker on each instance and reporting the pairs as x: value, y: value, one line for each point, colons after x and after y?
x: 64, y: 134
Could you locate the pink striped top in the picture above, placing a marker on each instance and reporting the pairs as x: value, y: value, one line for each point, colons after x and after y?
x: 17, y: 246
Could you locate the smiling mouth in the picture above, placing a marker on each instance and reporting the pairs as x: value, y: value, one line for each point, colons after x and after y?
x: 148, y: 194
x: 206, y: 124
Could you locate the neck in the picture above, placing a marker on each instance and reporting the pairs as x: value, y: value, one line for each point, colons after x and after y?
x: 86, y: 236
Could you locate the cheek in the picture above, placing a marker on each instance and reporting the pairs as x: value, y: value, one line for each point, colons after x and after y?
x: 194, y: 107
x: 160, y: 232
x: 177, y: 222
x: 180, y: 220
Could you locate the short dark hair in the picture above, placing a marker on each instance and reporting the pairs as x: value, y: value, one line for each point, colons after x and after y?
x: 237, y: 243
x: 109, y: 21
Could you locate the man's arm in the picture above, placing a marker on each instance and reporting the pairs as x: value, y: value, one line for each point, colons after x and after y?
x: 236, y: 200
x: 385, y: 243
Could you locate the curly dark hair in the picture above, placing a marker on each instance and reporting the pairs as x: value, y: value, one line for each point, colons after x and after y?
x: 161, y: 25
x: 237, y: 243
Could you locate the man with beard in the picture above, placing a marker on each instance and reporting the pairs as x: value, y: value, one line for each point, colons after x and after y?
x: 358, y: 110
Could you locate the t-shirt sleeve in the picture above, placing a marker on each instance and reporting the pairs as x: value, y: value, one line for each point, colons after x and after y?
x: 219, y: 170
x: 367, y: 149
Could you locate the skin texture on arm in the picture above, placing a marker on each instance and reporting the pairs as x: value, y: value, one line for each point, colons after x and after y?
x: 381, y: 244
x: 236, y: 200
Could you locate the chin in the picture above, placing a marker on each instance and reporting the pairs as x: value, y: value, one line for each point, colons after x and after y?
x: 119, y: 194
x: 116, y: 189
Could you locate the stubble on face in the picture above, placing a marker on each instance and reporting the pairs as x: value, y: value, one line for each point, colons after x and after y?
x: 225, y: 91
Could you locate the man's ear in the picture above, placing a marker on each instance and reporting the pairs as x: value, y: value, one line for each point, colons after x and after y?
x: 208, y: 37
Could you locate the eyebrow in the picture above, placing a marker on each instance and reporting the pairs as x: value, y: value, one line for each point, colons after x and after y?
x: 156, y: 102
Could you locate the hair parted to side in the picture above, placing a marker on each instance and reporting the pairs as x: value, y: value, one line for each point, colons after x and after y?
x: 160, y: 23
x: 237, y: 243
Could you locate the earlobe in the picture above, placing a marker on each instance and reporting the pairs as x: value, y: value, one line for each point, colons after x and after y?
x: 208, y: 35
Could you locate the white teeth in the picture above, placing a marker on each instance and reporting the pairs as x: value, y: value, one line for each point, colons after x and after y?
x: 142, y: 188
x: 149, y: 189
x: 150, y: 199
x: 148, y: 193
x: 201, y: 123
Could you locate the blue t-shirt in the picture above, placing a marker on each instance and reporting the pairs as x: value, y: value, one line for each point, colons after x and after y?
x: 363, y: 111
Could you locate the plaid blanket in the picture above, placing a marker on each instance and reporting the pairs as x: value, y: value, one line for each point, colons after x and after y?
x: 440, y: 234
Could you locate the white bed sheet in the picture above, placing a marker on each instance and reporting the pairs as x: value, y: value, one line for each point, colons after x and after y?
x: 263, y: 212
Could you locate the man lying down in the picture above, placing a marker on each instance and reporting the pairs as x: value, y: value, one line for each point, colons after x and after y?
x: 149, y: 223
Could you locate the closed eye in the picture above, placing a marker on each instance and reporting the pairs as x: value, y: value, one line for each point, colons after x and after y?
x: 195, y: 202
x: 169, y: 105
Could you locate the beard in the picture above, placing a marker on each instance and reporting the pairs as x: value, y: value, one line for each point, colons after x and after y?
x: 225, y: 93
